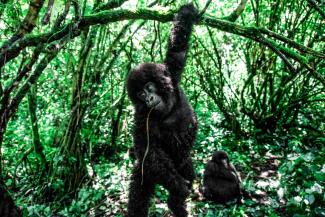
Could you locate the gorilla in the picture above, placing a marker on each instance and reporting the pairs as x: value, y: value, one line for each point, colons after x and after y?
x: 220, y: 180
x: 165, y: 124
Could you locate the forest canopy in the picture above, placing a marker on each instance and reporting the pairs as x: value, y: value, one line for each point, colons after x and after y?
x: 254, y: 75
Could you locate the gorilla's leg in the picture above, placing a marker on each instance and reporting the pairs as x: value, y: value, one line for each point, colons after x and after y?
x: 139, y: 195
x: 177, y: 205
x: 186, y: 170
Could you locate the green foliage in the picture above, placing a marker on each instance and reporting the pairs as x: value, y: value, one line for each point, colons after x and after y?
x: 254, y: 96
x: 303, y: 177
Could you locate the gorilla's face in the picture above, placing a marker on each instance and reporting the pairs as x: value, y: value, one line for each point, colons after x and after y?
x: 150, y: 87
x: 149, y: 95
x: 221, y: 158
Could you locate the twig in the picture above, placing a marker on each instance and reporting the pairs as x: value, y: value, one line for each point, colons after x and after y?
x: 47, y: 16
x: 314, y: 4
x: 77, y: 10
x: 62, y: 16
x: 205, y: 8
x: 237, y: 12
x: 279, y: 53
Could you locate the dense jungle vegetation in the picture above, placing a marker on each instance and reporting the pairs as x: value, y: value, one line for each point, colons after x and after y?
x: 255, y: 77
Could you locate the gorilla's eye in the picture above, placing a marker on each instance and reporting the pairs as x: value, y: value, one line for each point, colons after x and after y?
x: 150, y: 87
x: 141, y: 95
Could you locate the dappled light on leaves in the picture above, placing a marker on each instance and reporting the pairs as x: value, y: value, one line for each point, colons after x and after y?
x: 254, y: 76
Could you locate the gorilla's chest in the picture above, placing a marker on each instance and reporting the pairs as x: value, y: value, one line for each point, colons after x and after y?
x: 176, y: 141
x: 174, y: 135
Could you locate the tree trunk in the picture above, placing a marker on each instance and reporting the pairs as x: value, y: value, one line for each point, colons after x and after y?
x: 8, y: 207
x: 32, y: 105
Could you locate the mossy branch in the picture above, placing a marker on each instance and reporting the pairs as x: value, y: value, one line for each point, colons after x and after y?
x: 28, y: 24
x: 237, y: 12
x: 105, y: 17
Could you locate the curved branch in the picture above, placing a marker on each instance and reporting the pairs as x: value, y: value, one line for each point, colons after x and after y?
x: 27, y: 25
x: 21, y: 74
x: 32, y: 79
x: 47, y: 16
x: 255, y: 34
x: 279, y: 53
x: 205, y: 8
x: 104, y: 17
x: 63, y: 15
x: 237, y: 12
x: 294, y: 44
x: 314, y: 4
x: 77, y: 10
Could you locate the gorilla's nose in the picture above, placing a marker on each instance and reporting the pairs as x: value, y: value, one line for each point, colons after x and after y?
x: 149, y: 100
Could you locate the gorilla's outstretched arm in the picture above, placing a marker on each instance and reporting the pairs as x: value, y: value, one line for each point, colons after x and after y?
x: 179, y: 41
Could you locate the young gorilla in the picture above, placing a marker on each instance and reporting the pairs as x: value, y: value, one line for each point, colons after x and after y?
x: 164, y: 157
x: 220, y: 181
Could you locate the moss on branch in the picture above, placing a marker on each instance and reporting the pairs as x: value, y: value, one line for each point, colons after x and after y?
x: 105, y: 17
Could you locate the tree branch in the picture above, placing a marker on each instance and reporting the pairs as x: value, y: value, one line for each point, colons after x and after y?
x: 47, y: 16
x: 255, y: 34
x: 205, y: 8
x: 3, y: 5
x: 294, y: 44
x: 98, y: 18
x: 279, y: 53
x: 55, y: 48
x: 21, y: 74
x: 237, y: 12
x: 77, y: 10
x: 63, y: 15
x: 314, y: 4
x: 27, y: 24
x: 104, y: 17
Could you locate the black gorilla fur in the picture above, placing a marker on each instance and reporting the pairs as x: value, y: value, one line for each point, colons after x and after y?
x: 221, y: 182
x: 172, y: 130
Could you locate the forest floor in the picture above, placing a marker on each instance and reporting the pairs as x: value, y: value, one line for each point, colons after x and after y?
x: 264, y: 174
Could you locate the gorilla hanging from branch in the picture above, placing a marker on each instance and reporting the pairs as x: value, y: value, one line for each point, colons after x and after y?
x: 165, y: 124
